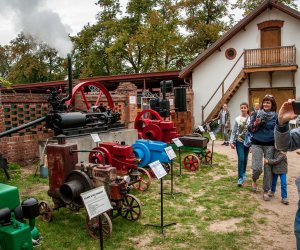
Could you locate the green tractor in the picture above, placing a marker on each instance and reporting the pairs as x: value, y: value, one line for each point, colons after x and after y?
x: 15, y: 233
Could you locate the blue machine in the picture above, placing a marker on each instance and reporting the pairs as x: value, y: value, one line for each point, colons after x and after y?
x: 149, y: 151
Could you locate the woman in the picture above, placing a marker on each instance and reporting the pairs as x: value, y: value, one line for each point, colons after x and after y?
x: 224, y: 118
x: 238, y: 133
x: 262, y: 126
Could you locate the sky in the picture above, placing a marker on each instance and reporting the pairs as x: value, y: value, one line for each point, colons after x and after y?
x: 62, y: 17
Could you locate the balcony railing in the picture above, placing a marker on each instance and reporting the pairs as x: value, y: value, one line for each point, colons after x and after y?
x: 268, y: 57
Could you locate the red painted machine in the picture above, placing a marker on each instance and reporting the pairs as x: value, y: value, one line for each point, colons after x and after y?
x: 154, y: 128
x: 123, y: 159
x: 68, y: 179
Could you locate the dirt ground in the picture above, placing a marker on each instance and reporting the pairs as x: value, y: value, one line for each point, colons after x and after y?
x: 277, y: 232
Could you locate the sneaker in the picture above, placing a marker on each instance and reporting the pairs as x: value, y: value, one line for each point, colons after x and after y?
x: 266, y: 197
x: 254, y: 186
x: 227, y: 144
x: 224, y: 143
x: 240, y: 182
x: 285, y: 201
x: 244, y: 177
x: 271, y: 194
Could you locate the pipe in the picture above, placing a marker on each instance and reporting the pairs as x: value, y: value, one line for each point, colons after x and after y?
x: 29, y: 124
x: 69, y: 96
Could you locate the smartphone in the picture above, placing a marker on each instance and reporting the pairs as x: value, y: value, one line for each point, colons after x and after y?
x: 296, y: 107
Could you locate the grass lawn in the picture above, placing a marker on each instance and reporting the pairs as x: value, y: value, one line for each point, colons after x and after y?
x: 210, y: 213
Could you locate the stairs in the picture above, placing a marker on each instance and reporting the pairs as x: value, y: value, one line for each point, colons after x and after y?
x: 227, y: 95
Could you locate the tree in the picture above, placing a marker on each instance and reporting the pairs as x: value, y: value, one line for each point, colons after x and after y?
x: 31, y: 61
x: 205, y: 23
x: 4, y: 61
x: 249, y: 5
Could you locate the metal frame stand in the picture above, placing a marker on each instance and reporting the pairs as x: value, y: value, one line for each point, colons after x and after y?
x: 100, y: 233
x: 172, y: 184
x: 162, y: 225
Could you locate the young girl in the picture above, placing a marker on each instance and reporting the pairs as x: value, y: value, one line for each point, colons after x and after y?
x: 279, y: 168
x: 237, y: 137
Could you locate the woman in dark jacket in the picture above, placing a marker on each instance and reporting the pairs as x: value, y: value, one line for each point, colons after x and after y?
x: 262, y: 125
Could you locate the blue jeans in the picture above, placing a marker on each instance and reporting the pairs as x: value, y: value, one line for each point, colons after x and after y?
x: 282, y: 182
x: 242, y: 154
x: 297, y: 227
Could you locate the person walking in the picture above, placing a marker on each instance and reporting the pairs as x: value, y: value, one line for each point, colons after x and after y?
x: 289, y: 140
x: 279, y: 169
x: 224, y: 125
x: 237, y: 137
x: 262, y: 126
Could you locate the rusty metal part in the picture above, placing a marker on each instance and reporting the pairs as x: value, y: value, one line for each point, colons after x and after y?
x: 131, y: 208
x: 46, y: 212
x: 93, y: 226
x: 76, y: 183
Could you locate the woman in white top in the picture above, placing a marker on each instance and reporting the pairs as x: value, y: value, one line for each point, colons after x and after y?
x: 238, y: 133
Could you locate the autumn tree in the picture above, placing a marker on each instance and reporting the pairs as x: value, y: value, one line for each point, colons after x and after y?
x: 249, y: 5
x: 205, y: 21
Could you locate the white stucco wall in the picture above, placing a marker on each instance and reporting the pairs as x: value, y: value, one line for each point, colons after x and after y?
x: 210, y: 73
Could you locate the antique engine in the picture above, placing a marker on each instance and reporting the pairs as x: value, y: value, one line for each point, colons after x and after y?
x: 68, y: 179
x: 154, y: 128
x: 15, y: 234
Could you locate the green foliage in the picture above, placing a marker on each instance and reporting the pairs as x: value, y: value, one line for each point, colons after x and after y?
x: 249, y: 5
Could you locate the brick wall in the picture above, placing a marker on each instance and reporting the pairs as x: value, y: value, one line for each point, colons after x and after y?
x: 18, y: 109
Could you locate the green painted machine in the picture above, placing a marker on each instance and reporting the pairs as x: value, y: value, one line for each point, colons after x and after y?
x: 15, y: 233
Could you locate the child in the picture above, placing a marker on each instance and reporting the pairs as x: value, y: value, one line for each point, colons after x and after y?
x: 279, y: 168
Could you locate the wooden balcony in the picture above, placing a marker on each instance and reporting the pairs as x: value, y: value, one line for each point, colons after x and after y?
x: 270, y: 59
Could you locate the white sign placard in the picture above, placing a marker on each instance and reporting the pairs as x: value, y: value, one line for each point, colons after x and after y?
x: 95, y: 137
x: 170, y: 152
x: 212, y: 136
x: 171, y: 101
x: 132, y: 99
x: 96, y: 201
x: 201, y: 128
x: 177, y: 142
x: 158, y: 169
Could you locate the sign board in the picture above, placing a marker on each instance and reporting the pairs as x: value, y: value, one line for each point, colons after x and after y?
x: 171, y: 101
x: 212, y: 136
x: 158, y: 169
x: 96, y: 201
x: 132, y: 99
x: 177, y: 142
x: 201, y: 128
x: 95, y: 137
x: 170, y: 152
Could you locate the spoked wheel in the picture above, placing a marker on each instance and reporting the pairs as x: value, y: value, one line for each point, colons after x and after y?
x: 84, y: 88
x: 191, y: 162
x: 207, y: 157
x: 131, y: 208
x: 167, y: 167
x: 93, y: 226
x: 45, y: 211
x: 144, y: 180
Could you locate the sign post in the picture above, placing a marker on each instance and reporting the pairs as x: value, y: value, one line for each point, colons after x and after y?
x: 171, y: 155
x: 160, y: 172
x: 96, y: 202
x: 178, y: 144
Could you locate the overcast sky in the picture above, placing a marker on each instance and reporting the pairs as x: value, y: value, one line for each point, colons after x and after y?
x: 73, y: 15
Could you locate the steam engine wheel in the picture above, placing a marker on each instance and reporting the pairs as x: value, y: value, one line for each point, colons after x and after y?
x: 144, y: 180
x: 131, y: 208
x: 45, y: 211
x: 93, y: 226
x: 191, y: 162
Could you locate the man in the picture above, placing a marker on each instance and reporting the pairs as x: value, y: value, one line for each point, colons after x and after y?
x: 289, y: 140
x: 224, y: 125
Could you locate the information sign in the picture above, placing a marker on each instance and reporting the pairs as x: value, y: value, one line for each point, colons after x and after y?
x: 158, y: 169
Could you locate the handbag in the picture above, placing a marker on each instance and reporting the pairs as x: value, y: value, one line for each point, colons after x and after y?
x: 248, y: 137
